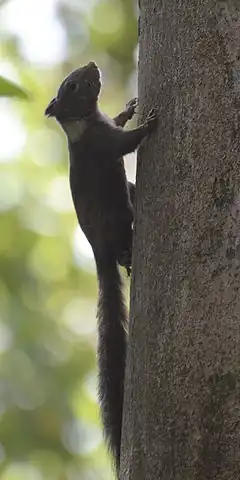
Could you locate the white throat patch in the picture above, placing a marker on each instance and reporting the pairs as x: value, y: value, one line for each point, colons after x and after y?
x: 74, y: 129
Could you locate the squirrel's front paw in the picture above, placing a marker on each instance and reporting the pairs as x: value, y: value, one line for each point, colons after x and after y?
x: 131, y: 107
x: 151, y: 120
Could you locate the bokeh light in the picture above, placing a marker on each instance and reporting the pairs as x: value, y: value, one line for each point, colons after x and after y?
x: 49, y: 417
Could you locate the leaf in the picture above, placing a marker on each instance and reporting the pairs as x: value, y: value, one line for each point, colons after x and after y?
x: 10, y: 89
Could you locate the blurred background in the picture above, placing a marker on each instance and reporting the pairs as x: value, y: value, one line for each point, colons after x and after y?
x: 49, y: 416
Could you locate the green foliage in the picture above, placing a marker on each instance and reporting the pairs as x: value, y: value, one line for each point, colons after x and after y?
x: 49, y: 420
x: 10, y: 89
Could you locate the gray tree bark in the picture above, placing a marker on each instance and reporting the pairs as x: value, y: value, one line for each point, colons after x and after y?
x: 182, y: 392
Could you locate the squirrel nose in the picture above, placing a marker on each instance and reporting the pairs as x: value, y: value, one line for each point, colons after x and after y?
x: 51, y: 108
x: 92, y: 65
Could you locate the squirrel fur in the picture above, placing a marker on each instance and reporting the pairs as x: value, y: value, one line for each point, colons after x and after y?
x: 103, y: 201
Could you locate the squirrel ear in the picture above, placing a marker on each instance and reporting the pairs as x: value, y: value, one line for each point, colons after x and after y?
x: 51, y: 108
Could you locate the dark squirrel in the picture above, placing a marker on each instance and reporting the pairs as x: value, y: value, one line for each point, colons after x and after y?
x: 103, y: 201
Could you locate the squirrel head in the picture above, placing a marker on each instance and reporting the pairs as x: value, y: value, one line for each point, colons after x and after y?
x: 77, y: 95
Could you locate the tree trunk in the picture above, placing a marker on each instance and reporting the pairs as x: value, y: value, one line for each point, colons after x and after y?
x: 182, y: 393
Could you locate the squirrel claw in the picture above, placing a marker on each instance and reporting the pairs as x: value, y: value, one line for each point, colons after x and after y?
x: 131, y: 106
x: 132, y: 103
x: 151, y: 120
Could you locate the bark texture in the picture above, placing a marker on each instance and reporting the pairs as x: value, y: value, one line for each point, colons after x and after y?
x: 182, y: 392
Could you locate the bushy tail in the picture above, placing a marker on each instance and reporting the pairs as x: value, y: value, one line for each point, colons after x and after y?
x: 112, y: 320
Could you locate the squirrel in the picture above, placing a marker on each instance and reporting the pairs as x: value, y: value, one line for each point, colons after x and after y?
x: 103, y: 200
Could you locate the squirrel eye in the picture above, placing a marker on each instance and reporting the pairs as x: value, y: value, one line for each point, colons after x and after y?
x: 72, y: 86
